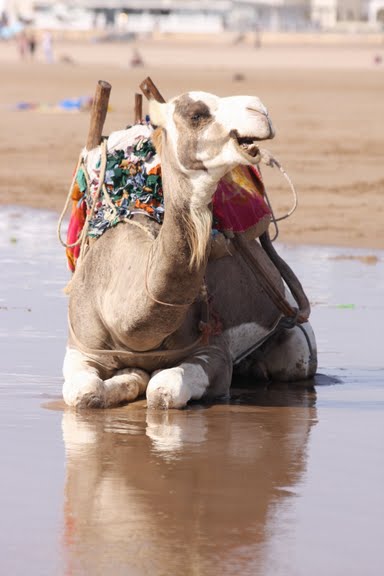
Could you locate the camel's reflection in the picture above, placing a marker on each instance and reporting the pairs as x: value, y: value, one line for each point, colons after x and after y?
x: 181, y: 493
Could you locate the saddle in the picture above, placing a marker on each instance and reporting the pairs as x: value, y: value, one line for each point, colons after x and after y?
x: 132, y: 184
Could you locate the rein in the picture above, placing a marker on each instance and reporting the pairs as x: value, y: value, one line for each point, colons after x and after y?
x: 261, y: 274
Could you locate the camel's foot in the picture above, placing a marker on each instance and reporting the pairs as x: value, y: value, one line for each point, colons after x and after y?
x: 167, y: 389
x: 83, y: 387
x: 125, y: 386
x: 86, y: 390
x: 174, y: 387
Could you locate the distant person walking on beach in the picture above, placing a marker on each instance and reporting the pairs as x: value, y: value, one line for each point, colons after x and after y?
x: 4, y: 20
x: 31, y: 43
x: 47, y: 47
x: 136, y: 59
x: 22, y: 44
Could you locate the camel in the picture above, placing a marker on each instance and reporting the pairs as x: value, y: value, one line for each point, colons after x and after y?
x: 142, y: 293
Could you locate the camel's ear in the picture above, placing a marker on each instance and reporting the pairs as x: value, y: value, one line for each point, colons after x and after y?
x: 157, y: 113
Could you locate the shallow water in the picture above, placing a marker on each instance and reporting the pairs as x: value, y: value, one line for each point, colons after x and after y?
x: 280, y: 481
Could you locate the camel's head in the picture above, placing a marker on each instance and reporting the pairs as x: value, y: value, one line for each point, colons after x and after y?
x: 213, y: 134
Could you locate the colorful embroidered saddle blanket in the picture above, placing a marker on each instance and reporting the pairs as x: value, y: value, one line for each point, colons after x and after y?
x: 132, y: 184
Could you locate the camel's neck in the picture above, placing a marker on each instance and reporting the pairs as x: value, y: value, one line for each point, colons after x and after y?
x: 181, y: 250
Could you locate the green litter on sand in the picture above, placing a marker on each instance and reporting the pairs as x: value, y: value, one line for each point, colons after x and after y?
x: 346, y: 306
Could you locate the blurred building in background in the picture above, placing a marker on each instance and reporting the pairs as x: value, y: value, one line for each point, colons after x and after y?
x: 194, y: 16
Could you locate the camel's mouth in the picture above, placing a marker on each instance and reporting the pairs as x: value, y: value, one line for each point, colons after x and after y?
x: 247, y: 146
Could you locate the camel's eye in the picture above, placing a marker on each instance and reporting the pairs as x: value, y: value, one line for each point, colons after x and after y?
x: 199, y: 113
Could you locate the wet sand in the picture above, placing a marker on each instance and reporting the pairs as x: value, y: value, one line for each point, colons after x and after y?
x: 325, y: 101
x: 282, y: 480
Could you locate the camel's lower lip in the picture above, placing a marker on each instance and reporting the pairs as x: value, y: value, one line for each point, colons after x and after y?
x: 248, y: 146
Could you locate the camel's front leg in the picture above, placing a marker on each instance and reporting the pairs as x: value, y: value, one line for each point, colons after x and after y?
x: 208, y: 372
x: 84, y: 388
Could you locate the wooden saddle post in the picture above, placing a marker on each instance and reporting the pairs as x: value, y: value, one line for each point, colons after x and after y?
x: 98, y: 114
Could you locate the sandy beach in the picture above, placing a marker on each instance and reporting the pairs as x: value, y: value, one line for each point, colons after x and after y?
x: 326, y: 102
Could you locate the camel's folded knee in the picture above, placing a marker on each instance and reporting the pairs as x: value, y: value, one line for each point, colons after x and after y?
x: 83, y: 387
x: 174, y: 387
x: 168, y: 389
x: 84, y: 390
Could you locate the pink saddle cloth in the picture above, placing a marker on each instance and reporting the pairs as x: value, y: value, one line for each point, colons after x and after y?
x: 76, y: 224
x: 239, y: 201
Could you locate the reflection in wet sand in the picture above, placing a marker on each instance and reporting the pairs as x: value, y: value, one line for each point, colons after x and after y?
x: 182, y: 493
